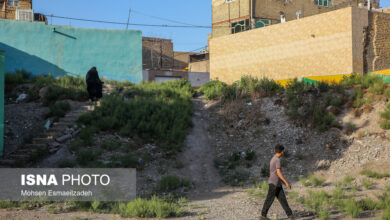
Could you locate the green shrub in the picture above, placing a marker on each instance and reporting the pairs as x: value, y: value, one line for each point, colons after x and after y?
x: 86, y: 135
x: 317, y: 202
x: 213, y: 89
x: 110, y: 144
x: 171, y: 182
x: 155, y: 207
x: 387, y: 93
x: 385, y: 115
x: 352, y: 208
x: 66, y: 163
x: 250, y: 155
x: 86, y: 156
x: 365, y: 81
x: 265, y: 170
x: 32, y: 95
x: 348, y: 180
x: 378, y: 87
x: 59, y: 109
x: 358, y: 97
x: 373, y: 174
x: 129, y: 160
x: 159, y: 111
x: 367, y: 204
x: 18, y: 77
x: 367, y: 183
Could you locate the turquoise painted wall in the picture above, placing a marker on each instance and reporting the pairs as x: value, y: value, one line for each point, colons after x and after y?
x: 2, y: 56
x: 43, y: 49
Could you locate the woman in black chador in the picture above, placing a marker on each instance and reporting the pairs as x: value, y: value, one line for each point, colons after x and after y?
x: 94, y: 85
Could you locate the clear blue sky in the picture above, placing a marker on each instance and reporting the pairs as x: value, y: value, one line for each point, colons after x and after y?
x: 185, y: 39
x: 196, y: 12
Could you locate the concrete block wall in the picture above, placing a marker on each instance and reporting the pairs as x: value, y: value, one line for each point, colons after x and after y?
x: 319, y: 45
x: 378, y: 45
x: 43, y: 49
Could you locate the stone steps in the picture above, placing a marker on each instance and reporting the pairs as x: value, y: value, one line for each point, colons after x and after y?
x: 22, y: 155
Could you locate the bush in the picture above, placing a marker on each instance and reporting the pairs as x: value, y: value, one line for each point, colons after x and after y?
x: 265, y: 170
x: 155, y: 207
x: 171, y: 182
x: 59, y: 109
x: 358, y: 97
x: 373, y: 174
x: 378, y: 87
x: 110, y: 144
x: 352, y: 208
x: 66, y: 163
x: 317, y: 202
x: 86, y: 156
x: 213, y: 89
x: 367, y: 204
x: 367, y: 183
x: 18, y: 77
x: 385, y: 115
x: 159, y: 111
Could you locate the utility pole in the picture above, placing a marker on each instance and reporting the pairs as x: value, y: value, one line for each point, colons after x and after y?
x: 128, y: 20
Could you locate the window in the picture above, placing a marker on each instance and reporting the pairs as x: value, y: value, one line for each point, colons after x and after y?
x: 13, y: 3
x: 240, y: 26
x: 228, y: 1
x: 326, y: 3
x: 261, y: 22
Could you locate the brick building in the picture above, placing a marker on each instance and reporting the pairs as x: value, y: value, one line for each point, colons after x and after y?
x: 158, y: 54
x: 322, y: 47
x: 14, y: 9
x: 233, y: 16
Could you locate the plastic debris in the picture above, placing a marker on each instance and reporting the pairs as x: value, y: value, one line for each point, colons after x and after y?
x: 47, y: 125
x: 21, y: 97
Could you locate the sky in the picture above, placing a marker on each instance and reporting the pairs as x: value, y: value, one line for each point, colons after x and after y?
x: 196, y: 12
x: 184, y: 39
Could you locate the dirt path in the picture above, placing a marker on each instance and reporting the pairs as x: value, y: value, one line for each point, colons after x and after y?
x: 211, y: 199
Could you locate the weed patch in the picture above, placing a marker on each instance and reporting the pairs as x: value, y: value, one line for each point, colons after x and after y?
x: 373, y: 174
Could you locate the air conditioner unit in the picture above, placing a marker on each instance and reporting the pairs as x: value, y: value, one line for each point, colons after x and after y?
x: 25, y: 15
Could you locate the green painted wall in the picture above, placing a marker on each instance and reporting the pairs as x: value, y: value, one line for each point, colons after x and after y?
x: 43, y: 49
x: 2, y: 60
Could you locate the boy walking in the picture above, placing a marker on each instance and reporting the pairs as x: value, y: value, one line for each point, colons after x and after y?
x: 275, y: 185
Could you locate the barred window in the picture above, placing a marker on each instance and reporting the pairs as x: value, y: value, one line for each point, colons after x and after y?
x: 326, y: 3
x: 13, y: 3
x: 240, y: 26
x: 261, y: 22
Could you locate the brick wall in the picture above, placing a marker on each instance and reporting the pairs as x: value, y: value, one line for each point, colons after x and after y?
x: 157, y: 53
x: 181, y: 59
x: 378, y: 45
x: 313, y: 46
x: 10, y: 13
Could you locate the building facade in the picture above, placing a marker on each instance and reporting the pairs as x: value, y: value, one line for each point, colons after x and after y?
x: 9, y: 8
x: 349, y: 40
x: 234, y: 16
